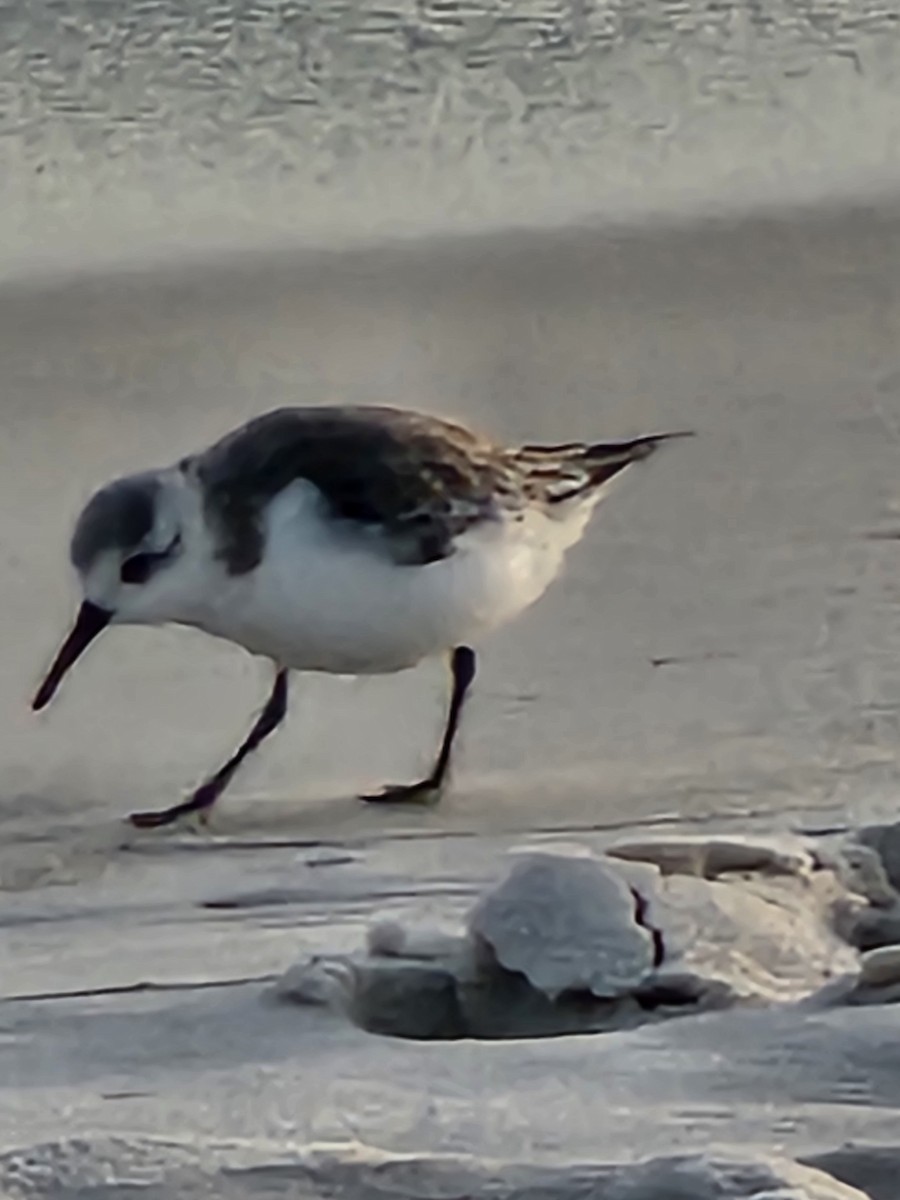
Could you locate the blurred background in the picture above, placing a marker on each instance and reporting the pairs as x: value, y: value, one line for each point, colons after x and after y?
x: 129, y: 129
x: 553, y: 220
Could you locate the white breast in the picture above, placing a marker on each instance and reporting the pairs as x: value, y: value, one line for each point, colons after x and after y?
x: 324, y: 601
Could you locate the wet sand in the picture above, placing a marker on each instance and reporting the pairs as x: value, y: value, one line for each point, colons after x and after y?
x: 721, y: 655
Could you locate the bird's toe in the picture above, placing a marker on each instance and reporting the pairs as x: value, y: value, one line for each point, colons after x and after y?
x: 424, y: 792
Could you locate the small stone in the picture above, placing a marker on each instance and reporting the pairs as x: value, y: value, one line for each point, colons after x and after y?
x: 329, y: 982
x: 396, y: 999
x: 860, y: 869
x: 885, y: 841
x: 389, y: 939
x: 881, y: 967
x: 874, y: 927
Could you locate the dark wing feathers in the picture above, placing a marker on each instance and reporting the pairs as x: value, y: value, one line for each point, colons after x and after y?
x: 420, y: 479
x: 558, y: 473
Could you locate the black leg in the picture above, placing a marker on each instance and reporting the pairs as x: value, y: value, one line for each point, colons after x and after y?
x: 462, y: 666
x: 208, y: 793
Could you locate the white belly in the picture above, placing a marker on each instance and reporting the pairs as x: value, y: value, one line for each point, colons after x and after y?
x: 323, y: 603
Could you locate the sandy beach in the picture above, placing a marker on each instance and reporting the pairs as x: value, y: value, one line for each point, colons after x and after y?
x: 317, y: 998
x: 718, y: 660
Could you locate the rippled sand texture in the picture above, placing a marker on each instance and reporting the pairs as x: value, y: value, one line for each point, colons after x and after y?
x: 168, y: 122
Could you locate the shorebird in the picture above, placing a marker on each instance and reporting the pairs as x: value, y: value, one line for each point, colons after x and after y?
x: 346, y: 540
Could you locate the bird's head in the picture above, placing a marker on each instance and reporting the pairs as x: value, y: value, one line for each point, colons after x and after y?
x: 126, y: 548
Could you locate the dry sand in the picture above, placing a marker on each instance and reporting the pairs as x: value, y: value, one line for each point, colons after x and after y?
x: 720, y: 657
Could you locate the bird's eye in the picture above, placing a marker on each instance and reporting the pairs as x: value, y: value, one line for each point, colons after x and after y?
x: 139, y: 567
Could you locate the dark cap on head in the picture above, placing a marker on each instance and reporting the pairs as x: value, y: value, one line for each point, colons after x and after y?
x: 119, y: 516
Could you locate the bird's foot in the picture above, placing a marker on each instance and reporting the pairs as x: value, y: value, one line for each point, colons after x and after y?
x: 425, y: 792
x: 160, y: 818
x: 199, y: 807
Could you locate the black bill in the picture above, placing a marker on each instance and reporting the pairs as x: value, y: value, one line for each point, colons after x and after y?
x: 90, y: 622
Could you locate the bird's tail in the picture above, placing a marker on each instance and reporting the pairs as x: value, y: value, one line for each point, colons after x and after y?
x: 572, y: 470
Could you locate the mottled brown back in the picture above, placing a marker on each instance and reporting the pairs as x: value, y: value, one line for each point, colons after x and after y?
x: 422, y: 479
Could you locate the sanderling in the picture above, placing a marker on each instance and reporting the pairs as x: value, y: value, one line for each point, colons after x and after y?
x: 353, y: 541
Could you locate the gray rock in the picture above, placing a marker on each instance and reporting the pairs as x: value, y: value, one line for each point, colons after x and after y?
x: 885, y: 841
x: 397, y: 999
x: 567, y: 924
x: 873, y: 927
x: 861, y: 870
x: 873, y: 1169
